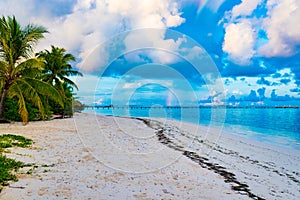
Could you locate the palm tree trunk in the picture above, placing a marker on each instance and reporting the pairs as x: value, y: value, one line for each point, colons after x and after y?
x: 3, y: 97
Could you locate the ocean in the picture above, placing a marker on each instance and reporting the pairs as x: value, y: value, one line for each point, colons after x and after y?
x: 276, y: 126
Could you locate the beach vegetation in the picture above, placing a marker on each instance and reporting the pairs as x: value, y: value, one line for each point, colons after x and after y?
x: 20, y: 72
x: 57, y: 69
x: 9, y: 166
x: 11, y: 111
x: 78, y: 106
x: 33, y: 86
x: 8, y: 140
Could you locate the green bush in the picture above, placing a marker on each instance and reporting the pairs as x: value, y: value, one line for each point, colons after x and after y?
x: 78, y: 106
x: 11, y: 111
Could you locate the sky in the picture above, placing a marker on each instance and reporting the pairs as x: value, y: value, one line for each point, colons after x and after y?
x: 170, y: 52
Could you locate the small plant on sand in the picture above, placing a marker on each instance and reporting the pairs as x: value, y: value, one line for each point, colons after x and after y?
x: 8, y: 140
x: 8, y: 166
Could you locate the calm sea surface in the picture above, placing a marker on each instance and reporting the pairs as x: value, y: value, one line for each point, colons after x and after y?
x: 275, y: 126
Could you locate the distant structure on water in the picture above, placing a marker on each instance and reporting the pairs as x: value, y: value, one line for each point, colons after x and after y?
x: 184, y: 107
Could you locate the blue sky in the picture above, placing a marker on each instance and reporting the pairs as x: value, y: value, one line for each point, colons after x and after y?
x: 167, y: 52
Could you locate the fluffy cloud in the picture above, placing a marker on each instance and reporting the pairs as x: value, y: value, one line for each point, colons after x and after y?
x: 104, y: 20
x: 239, y: 41
x: 282, y: 28
x: 240, y: 35
x: 245, y: 8
x: 147, y: 13
x: 153, y: 38
x: 89, y: 23
x: 274, y: 33
x: 279, y: 23
x: 132, y: 14
x: 30, y: 10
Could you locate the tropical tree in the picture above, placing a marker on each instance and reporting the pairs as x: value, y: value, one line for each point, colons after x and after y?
x: 57, y: 66
x: 19, y: 71
x: 57, y: 69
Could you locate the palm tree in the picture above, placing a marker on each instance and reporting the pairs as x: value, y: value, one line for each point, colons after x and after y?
x: 19, y: 71
x: 57, y: 69
x: 57, y: 66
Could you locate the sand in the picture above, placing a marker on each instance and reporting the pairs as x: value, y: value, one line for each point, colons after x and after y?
x: 100, y: 157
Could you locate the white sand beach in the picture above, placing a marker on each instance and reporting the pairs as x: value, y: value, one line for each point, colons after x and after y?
x: 100, y: 157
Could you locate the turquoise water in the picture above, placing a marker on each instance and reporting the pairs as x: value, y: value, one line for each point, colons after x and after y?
x: 275, y: 126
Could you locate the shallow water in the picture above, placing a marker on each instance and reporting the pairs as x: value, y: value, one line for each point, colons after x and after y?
x: 276, y: 126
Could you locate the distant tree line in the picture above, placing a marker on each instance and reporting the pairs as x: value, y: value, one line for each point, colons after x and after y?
x: 33, y: 86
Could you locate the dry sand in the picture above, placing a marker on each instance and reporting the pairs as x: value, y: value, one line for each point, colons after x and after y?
x: 98, y: 157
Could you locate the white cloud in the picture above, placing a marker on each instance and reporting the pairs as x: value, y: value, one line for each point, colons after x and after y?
x: 163, y: 49
x: 123, y: 91
x: 280, y: 25
x: 240, y: 34
x: 194, y: 53
x: 83, y: 5
x: 37, y: 13
x: 239, y: 42
x: 99, y: 101
x: 282, y: 28
x: 245, y: 8
x: 32, y: 11
x: 92, y: 22
x: 237, y: 92
x: 108, y: 19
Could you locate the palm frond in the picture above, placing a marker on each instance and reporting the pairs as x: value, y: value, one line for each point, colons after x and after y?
x: 31, y: 35
x: 29, y: 92
x: 58, y: 67
x: 30, y: 67
x: 3, y: 68
x: 17, y: 42
x: 68, y: 81
x: 16, y: 91
x: 69, y: 57
x: 18, y: 69
x: 73, y: 73
x: 46, y: 89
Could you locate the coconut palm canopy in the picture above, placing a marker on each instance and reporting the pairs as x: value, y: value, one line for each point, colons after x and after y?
x: 57, y: 69
x: 21, y: 74
x: 57, y: 66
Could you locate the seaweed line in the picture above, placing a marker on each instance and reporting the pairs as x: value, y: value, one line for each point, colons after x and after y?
x: 229, y: 177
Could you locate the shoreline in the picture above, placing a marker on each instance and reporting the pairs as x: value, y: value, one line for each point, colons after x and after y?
x: 201, y: 160
x: 96, y: 156
x: 250, y: 160
x: 279, y: 138
x: 232, y: 133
